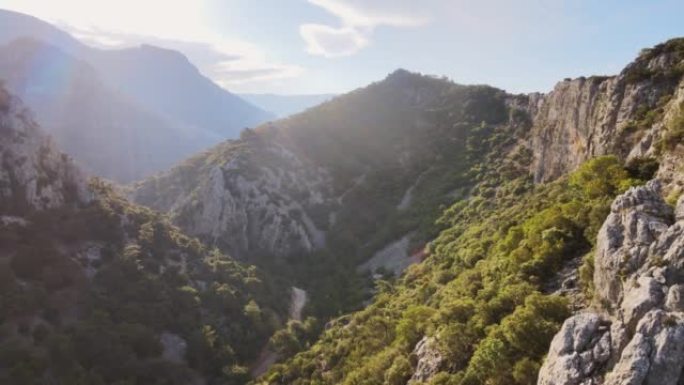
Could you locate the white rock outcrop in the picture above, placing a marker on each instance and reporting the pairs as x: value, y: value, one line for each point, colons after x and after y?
x: 249, y: 206
x: 33, y: 174
x: 587, y: 117
x: 637, y: 336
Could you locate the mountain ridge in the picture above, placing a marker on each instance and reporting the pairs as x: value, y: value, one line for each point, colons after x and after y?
x: 193, y: 111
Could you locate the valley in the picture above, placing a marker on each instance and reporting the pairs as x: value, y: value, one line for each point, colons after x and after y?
x: 412, y: 231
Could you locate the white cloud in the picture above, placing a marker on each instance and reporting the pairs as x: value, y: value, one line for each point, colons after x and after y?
x: 328, y: 41
x: 230, y: 63
x: 358, y: 20
x: 181, y: 25
x: 373, y: 13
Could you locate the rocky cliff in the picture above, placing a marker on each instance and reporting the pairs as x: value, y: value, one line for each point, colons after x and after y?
x: 587, y: 117
x: 33, y: 174
x: 633, y: 334
x: 253, y: 196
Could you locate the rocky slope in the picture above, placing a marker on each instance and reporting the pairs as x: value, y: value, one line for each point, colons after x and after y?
x: 335, y: 180
x: 634, y: 334
x: 635, y: 117
x: 587, y: 117
x: 33, y: 175
x: 263, y: 208
x: 632, y: 331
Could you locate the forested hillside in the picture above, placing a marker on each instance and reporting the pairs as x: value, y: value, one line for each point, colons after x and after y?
x: 502, y: 195
x: 515, y: 259
x: 96, y: 290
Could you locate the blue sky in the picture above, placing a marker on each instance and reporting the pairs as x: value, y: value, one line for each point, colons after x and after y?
x: 320, y: 46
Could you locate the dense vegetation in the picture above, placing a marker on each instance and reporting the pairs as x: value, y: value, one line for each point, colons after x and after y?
x: 450, y: 141
x: 480, y: 294
x: 86, y: 294
x: 407, y: 132
x: 484, y: 297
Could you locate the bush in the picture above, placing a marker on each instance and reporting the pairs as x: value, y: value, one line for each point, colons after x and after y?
x: 602, y: 176
x: 414, y: 323
x: 399, y: 372
x: 642, y: 168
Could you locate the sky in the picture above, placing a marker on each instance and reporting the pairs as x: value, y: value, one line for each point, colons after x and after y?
x: 334, y: 46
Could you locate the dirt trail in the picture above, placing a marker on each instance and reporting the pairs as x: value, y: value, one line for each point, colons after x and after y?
x: 407, y: 199
x: 297, y: 303
x: 267, y: 357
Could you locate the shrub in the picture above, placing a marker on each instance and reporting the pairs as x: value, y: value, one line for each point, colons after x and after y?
x: 642, y: 167
x: 399, y: 372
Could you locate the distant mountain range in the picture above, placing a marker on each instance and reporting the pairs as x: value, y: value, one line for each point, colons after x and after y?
x: 123, y: 114
x: 286, y: 105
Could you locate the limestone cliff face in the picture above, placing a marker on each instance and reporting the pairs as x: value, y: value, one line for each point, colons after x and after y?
x: 634, y: 335
x: 33, y: 174
x: 264, y: 198
x: 588, y: 117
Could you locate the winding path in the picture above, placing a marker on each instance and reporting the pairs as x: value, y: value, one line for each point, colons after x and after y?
x: 267, y: 358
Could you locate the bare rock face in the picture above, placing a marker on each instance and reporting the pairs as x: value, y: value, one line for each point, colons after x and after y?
x: 636, y: 220
x: 33, y: 174
x: 429, y: 360
x: 580, y: 348
x: 654, y: 355
x: 587, y: 117
x: 639, y: 278
x: 265, y: 206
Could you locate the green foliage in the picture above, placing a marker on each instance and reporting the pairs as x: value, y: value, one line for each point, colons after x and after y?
x: 602, y: 176
x: 479, y: 294
x: 674, y: 133
x: 399, y: 372
x: 414, y: 324
x: 642, y: 167
x: 149, y: 279
x: 640, y: 72
x: 525, y: 372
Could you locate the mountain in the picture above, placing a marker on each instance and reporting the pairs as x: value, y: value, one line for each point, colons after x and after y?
x: 286, y: 105
x: 17, y: 25
x: 506, y: 200
x: 325, y: 190
x: 161, y: 111
x: 165, y: 82
x: 96, y: 290
x: 105, y: 131
x: 34, y: 175
x: 380, y: 138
